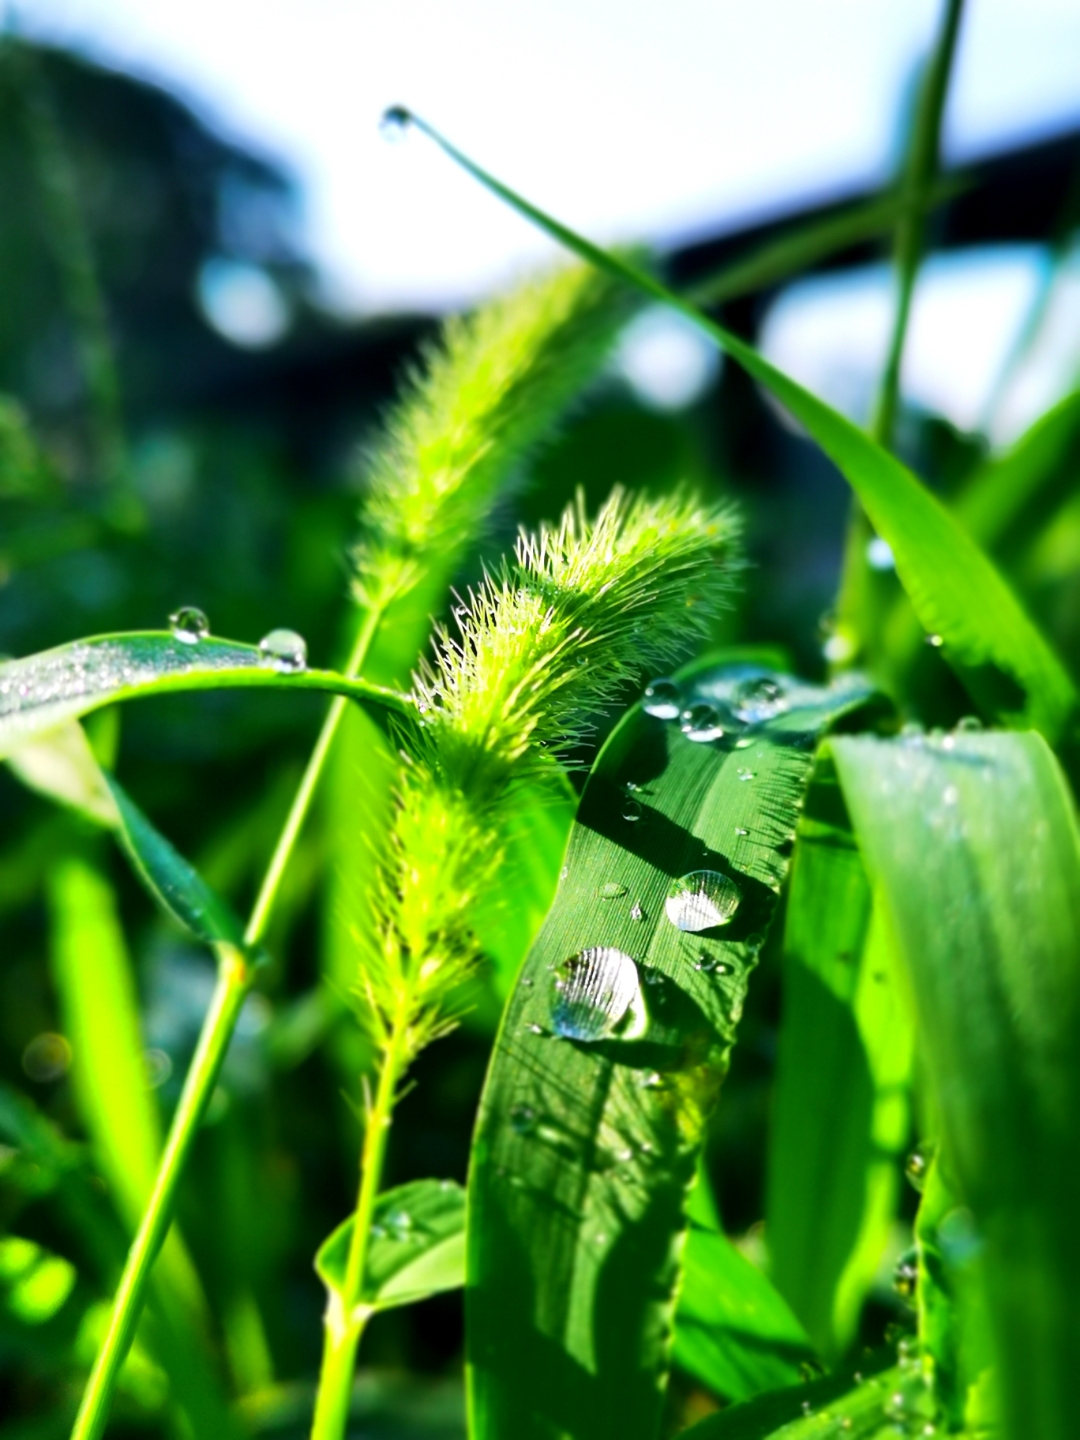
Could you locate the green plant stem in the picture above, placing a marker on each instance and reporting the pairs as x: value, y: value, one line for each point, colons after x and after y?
x: 234, y: 981
x: 235, y: 976
x: 346, y: 1316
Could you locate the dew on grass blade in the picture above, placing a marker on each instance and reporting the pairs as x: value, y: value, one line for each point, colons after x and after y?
x: 701, y: 899
x: 918, y: 1163
x: 189, y: 624
x: 595, y: 991
x: 702, y: 722
x: 611, y: 891
x: 285, y: 650
x: 523, y: 1119
x: 744, y: 773
x: 394, y: 124
x: 906, y: 1275
x: 631, y: 809
x: 662, y: 699
x: 636, y: 912
x: 758, y: 700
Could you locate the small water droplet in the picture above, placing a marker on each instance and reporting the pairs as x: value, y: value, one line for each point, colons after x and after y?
x: 526, y: 980
x: 595, y: 991
x: 650, y: 1080
x: 631, y: 809
x: 189, y: 625
x: 918, y: 1163
x: 564, y: 872
x: 968, y: 724
x: 399, y: 1224
x: 879, y: 555
x: 702, y: 899
x: 758, y: 700
x: 744, y: 773
x: 807, y: 1408
x: 744, y: 742
x: 740, y: 830
x: 662, y: 699
x: 285, y: 650
x: 857, y: 1377
x: 701, y: 722
x: 394, y: 124
x: 533, y: 1029
x: 906, y: 1274
x: 935, y: 640
x: 755, y: 938
x: 612, y: 890
x: 523, y: 1119
x: 636, y: 912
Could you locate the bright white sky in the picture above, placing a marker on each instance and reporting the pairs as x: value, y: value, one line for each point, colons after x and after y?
x: 628, y: 119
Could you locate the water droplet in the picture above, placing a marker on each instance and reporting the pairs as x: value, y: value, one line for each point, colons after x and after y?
x: 760, y: 699
x: 564, y: 872
x: 702, y: 899
x: 399, y: 1224
x: 285, y: 650
x: 744, y: 742
x: 918, y: 1163
x: 968, y: 724
x: 906, y: 1274
x: 701, y: 722
x: 611, y: 891
x: 631, y: 809
x: 47, y: 1057
x: 739, y: 830
x: 394, y: 124
x: 755, y: 938
x: 523, y: 1119
x: 807, y: 1408
x: 526, y: 980
x: 636, y: 912
x: 189, y: 625
x: 935, y: 640
x: 744, y: 773
x: 595, y: 991
x: 662, y: 699
x: 533, y: 1029
x: 650, y: 1080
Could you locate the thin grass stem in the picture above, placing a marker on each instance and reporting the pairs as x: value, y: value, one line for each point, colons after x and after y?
x: 234, y: 981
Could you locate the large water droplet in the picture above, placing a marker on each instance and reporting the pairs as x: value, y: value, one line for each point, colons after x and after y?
x: 702, y: 899
x: 523, y: 1119
x: 662, y: 699
x: 702, y: 722
x: 631, y: 809
x: 595, y: 991
x: 758, y: 700
x: 394, y: 124
x: 285, y: 650
x: 189, y: 625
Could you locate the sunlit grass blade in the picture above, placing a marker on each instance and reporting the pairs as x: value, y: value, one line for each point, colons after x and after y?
x: 94, y: 979
x: 41, y: 691
x: 958, y: 595
x: 973, y: 839
x: 845, y: 1053
x: 417, y: 1247
x: 840, y: 1407
x: 585, y: 1147
x: 734, y: 1331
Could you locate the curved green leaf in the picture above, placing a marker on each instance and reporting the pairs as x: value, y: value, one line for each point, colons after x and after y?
x: 417, y: 1246
x: 845, y: 1051
x: 882, y: 1407
x: 955, y: 590
x: 41, y: 691
x: 973, y: 839
x: 584, y: 1149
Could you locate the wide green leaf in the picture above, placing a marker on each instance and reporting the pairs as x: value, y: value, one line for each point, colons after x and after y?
x: 840, y: 1112
x: 973, y: 840
x: 612, y: 1050
x: 40, y: 692
x: 417, y: 1246
x: 957, y: 593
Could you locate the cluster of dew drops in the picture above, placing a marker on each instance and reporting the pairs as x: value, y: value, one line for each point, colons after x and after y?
x: 282, y: 650
x: 597, y: 989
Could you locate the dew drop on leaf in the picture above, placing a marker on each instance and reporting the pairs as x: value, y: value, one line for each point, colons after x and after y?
x: 594, y: 991
x: 611, y: 891
x: 702, y: 899
x: 189, y: 625
x: 744, y: 773
x: 636, y: 912
x: 758, y: 700
x: 523, y: 1119
x: 631, y: 809
x: 701, y: 722
x: 935, y: 640
x: 662, y: 699
x: 906, y: 1275
x: 968, y: 724
x: 285, y: 650
x: 917, y: 1164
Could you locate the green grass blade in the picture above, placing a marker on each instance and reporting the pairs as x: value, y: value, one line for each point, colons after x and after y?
x: 845, y: 1052
x: 417, y: 1246
x: 42, y: 691
x: 973, y: 838
x: 829, y: 1409
x: 734, y: 1331
x: 584, y: 1149
x: 794, y: 252
x: 1002, y: 492
x: 957, y: 593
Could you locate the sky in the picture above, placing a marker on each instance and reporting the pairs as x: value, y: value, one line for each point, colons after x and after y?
x: 629, y: 120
